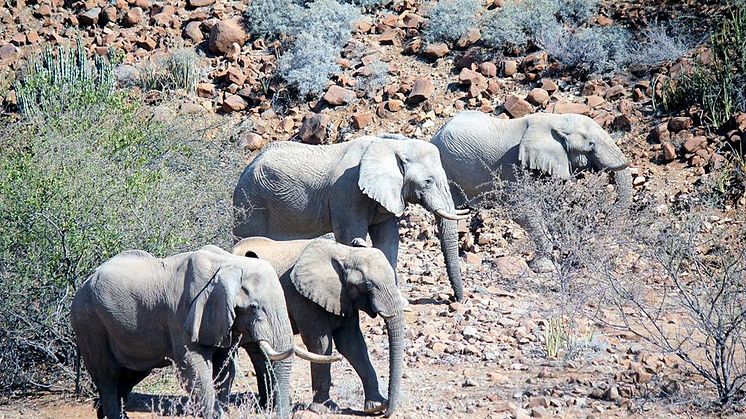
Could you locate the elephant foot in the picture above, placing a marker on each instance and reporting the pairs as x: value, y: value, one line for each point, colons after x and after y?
x: 328, y: 407
x: 375, y: 406
x: 542, y: 264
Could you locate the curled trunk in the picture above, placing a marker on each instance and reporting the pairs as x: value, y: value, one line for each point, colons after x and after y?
x: 448, y: 235
x: 623, y: 180
x: 395, y: 330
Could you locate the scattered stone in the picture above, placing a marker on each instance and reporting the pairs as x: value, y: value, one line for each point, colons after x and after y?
x: 679, y: 123
x: 394, y: 105
x: 488, y: 69
x: 422, y: 90
x: 205, y: 90
x: 388, y: 37
x: 473, y: 259
x: 224, y: 34
x: 517, y: 107
x: 361, y: 119
x: 511, y: 266
x: 594, y: 101
x: 669, y: 152
x: 193, y: 32
x: 89, y: 17
x: 660, y: 133
x: 253, y: 141
x: 571, y: 107
x: 477, y: 83
x: 234, y: 103
x: 133, y: 16
x: 694, y: 143
x: 538, y: 97
x: 8, y: 51
x: 549, y: 85
x: 616, y: 92
x: 470, y: 38
x: 199, y: 3
x: 337, y: 95
x: 313, y: 130
x: 510, y: 67
x: 435, y: 51
x: 146, y: 43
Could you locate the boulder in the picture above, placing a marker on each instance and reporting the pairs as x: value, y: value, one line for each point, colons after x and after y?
x: 313, y: 130
x: 517, y: 107
x: 435, y: 51
x: 224, y: 34
x: 337, y: 95
x: 538, y: 97
x: 234, y: 103
x: 422, y: 90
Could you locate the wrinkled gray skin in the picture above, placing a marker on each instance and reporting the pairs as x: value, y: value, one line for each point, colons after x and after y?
x: 326, y: 284
x: 297, y: 191
x: 475, y: 146
x: 137, y: 312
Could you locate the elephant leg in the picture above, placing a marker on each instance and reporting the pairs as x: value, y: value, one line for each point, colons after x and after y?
x: 385, y: 237
x: 223, y: 374
x: 104, y: 371
x: 196, y: 372
x: 542, y: 261
x: 321, y: 374
x: 263, y: 378
x: 351, y: 344
x: 128, y: 379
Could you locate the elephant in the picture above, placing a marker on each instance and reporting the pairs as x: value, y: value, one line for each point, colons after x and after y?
x: 326, y: 284
x: 474, y: 147
x: 136, y: 312
x: 293, y: 191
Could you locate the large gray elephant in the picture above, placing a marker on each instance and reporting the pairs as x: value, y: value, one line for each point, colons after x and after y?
x: 298, y: 191
x: 475, y: 147
x: 326, y: 284
x: 137, y: 312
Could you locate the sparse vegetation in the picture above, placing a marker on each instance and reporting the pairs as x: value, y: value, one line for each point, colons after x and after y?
x: 179, y: 70
x: 449, y: 20
x: 308, y: 65
x: 83, y: 184
x: 595, y: 49
x: 665, y: 43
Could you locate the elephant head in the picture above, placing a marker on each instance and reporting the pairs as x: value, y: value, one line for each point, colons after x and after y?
x: 343, y: 279
x: 561, y: 144
x: 393, y: 172
x: 237, y: 301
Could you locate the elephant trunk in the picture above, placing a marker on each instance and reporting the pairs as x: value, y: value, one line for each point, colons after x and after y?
x: 281, y: 387
x: 280, y: 368
x: 448, y: 235
x: 623, y: 180
x: 395, y: 330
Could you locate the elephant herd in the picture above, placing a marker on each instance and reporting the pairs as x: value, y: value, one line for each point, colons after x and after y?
x: 137, y: 312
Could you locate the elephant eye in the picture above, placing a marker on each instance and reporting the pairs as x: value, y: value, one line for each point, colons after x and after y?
x: 368, y: 285
x: 428, y: 182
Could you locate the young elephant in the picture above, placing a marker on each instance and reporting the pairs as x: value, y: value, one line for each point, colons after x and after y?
x: 325, y: 285
x: 137, y: 312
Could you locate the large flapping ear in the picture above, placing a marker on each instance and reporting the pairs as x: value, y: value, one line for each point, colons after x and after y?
x: 542, y: 149
x: 381, y: 175
x: 319, y: 276
x: 212, y: 312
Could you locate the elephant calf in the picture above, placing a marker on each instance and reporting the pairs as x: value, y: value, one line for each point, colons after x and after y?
x: 137, y: 312
x: 475, y: 147
x: 325, y: 284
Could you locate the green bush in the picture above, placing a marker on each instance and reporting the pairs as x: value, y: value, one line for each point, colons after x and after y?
x: 61, y: 79
x: 719, y: 86
x: 449, y: 20
x: 179, y: 70
x: 81, y: 188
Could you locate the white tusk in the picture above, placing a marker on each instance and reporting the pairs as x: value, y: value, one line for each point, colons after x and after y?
x: 273, y: 355
x: 449, y: 216
x: 316, y: 358
x: 462, y: 211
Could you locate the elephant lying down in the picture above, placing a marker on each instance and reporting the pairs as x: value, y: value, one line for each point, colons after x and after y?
x: 325, y: 284
x: 136, y: 312
x: 475, y: 147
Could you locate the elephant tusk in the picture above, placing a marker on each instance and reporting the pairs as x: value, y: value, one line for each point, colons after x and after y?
x: 273, y: 355
x: 449, y: 216
x: 316, y: 358
x: 462, y: 211
x: 618, y: 167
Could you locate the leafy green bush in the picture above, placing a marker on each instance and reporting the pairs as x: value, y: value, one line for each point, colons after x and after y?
x: 449, y: 20
x: 61, y: 79
x: 718, y: 87
x: 80, y: 188
x: 179, y: 70
x: 596, y: 49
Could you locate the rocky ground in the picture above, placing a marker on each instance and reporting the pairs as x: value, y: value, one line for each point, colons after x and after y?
x: 485, y: 357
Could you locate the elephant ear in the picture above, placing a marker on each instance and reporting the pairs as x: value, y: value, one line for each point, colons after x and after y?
x: 318, y: 275
x: 542, y: 149
x: 381, y: 176
x: 212, y: 312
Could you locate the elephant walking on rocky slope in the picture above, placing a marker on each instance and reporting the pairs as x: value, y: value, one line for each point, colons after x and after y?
x: 138, y: 312
x: 326, y: 284
x: 298, y: 191
x: 474, y: 147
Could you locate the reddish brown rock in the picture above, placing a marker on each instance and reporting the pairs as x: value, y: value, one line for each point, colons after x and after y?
x: 549, y: 85
x: 361, y: 119
x: 8, y: 52
x: 394, y: 105
x: 594, y: 101
x: 253, y: 141
x: 517, y: 107
x: 535, y: 62
x: 422, y: 90
x: 146, y: 43
x: 412, y: 21
x: 660, y: 133
x: 388, y: 36
x: 488, y: 69
x: 224, y: 34
x: 571, y: 107
x: 593, y: 87
x: 477, y: 83
x: 616, y: 92
x: 89, y: 17
x: 199, y: 3
x: 133, y: 16
x: 313, y: 130
x: 235, y: 75
x: 679, y: 123
x: 470, y: 38
x: 44, y: 10
x: 669, y: 152
x: 205, y: 90
x: 109, y: 14
x: 510, y: 67
x: 234, y: 103
x: 694, y: 143
x: 623, y: 122
x: 337, y: 95
x: 435, y: 51
x: 538, y: 97
x: 193, y: 32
